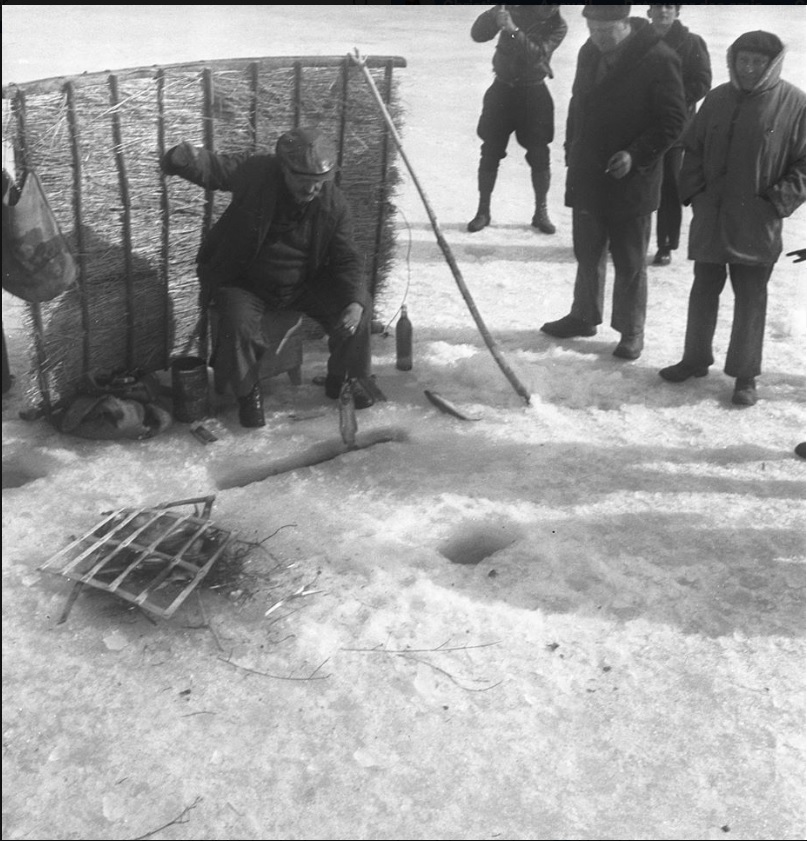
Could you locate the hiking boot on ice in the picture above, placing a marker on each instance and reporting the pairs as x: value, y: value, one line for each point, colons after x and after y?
x: 250, y: 408
x: 568, y: 327
x: 745, y: 392
x: 663, y: 257
x: 681, y: 371
x: 630, y: 346
x: 540, y: 186
x: 486, y: 180
x: 481, y: 220
x: 363, y: 396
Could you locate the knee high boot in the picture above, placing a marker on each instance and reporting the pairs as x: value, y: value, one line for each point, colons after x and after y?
x: 540, y: 184
x: 487, y: 181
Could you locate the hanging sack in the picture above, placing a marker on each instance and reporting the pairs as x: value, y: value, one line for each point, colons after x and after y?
x: 38, y: 264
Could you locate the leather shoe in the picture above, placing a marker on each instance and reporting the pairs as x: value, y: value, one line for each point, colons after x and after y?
x: 630, y: 346
x: 663, y: 257
x: 250, y: 408
x: 362, y: 396
x: 481, y: 220
x: 568, y: 327
x: 682, y: 371
x: 745, y: 392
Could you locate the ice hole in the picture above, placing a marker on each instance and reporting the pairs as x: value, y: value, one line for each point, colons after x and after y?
x: 472, y: 544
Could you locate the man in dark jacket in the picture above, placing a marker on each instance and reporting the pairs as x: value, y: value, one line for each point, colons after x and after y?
x: 696, y: 73
x: 743, y: 173
x: 284, y: 244
x: 627, y: 108
x: 518, y: 100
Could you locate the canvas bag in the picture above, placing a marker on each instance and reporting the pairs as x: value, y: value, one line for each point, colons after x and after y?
x: 38, y: 264
x: 110, y: 407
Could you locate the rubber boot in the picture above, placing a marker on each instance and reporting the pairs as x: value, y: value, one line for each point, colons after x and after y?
x: 540, y: 184
x: 487, y: 181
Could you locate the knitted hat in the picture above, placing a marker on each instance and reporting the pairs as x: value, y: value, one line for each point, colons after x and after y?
x: 594, y: 11
x: 306, y: 151
x: 761, y: 42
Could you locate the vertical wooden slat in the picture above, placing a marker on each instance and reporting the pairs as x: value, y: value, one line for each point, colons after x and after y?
x: 342, y: 120
x: 78, y: 212
x: 382, y: 204
x: 210, y: 144
x: 298, y: 92
x: 126, y: 217
x: 254, y: 78
x: 208, y: 139
x: 23, y: 159
x: 165, y: 219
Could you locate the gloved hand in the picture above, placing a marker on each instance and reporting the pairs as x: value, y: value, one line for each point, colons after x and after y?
x: 179, y: 158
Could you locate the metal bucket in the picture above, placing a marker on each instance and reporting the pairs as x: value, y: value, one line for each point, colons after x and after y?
x: 190, y: 388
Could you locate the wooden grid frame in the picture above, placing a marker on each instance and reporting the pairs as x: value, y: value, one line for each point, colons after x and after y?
x: 151, y: 557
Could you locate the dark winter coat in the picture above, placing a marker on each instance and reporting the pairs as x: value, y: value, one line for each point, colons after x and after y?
x: 523, y: 58
x: 639, y: 108
x: 696, y: 67
x: 744, y: 168
x: 255, y: 181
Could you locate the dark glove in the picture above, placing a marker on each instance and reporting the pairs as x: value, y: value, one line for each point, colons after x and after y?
x: 178, y: 158
x: 800, y: 255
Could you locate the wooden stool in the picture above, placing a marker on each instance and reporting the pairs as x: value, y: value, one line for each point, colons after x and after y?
x: 283, y: 334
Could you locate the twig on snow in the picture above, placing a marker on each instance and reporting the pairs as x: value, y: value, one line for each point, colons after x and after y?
x: 312, y: 676
x: 449, y: 675
x: 441, y: 647
x: 180, y: 818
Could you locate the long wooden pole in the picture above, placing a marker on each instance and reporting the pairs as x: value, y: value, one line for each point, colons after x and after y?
x: 444, y: 247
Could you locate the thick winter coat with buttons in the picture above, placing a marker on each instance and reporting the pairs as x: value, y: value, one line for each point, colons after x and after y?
x: 744, y: 168
x: 255, y: 181
x: 638, y: 107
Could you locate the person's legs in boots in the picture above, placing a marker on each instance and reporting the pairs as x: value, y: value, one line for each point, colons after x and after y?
x: 486, y: 181
x: 494, y: 129
x: 239, y: 349
x: 349, y: 353
x: 704, y: 303
x: 590, y: 239
x: 540, y: 186
x: 535, y: 130
x: 628, y: 241
x: 668, y: 218
x: 744, y: 356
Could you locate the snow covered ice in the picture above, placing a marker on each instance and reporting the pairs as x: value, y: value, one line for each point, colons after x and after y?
x: 577, y: 618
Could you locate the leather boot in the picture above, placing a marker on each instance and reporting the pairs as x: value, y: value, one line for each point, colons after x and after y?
x: 540, y: 185
x: 487, y: 181
x: 250, y: 408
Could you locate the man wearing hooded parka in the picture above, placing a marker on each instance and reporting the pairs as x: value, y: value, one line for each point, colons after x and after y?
x: 743, y: 173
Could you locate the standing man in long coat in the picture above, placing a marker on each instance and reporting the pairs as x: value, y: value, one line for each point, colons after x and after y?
x: 627, y: 108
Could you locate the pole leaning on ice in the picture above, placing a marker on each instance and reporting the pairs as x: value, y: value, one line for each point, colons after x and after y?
x: 444, y: 247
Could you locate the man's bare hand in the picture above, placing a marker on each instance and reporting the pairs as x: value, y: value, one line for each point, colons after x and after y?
x: 619, y: 164
x: 505, y: 22
x: 349, y: 320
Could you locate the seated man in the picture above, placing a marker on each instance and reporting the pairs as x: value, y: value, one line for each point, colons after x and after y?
x: 284, y: 244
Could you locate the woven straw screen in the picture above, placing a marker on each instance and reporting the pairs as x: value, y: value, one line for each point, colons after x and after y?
x: 95, y: 141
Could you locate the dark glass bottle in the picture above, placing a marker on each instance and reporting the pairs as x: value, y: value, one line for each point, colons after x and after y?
x: 403, y: 342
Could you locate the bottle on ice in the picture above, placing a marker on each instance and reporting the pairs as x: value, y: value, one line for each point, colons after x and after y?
x: 403, y: 341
